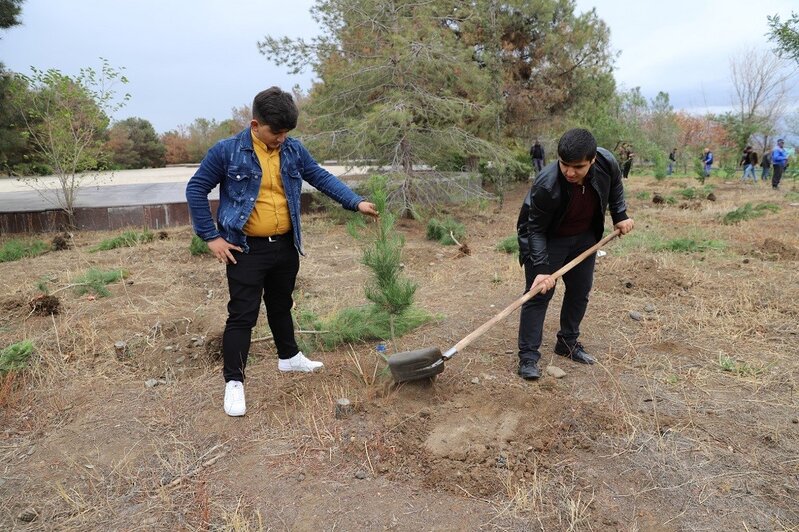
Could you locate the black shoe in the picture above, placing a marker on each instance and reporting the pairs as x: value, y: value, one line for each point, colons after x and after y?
x: 575, y: 352
x: 528, y: 370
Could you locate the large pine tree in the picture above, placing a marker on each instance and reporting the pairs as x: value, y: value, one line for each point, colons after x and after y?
x: 396, y: 86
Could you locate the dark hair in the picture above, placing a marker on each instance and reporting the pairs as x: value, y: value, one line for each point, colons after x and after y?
x: 577, y: 145
x: 275, y: 108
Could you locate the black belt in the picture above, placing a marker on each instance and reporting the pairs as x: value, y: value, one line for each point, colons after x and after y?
x: 273, y: 238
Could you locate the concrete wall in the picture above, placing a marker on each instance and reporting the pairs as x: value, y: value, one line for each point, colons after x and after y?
x: 152, y: 217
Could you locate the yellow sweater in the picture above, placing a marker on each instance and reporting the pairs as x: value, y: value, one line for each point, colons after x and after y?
x: 270, y: 215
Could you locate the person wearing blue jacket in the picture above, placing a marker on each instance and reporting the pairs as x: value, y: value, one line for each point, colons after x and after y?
x: 257, y: 233
x: 779, y: 158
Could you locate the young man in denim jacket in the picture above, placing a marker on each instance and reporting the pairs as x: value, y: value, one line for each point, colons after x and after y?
x: 257, y: 235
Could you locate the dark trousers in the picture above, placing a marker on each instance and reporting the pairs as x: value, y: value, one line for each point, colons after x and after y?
x: 538, y: 165
x: 268, y: 271
x: 626, y: 170
x: 777, y: 175
x: 578, y: 283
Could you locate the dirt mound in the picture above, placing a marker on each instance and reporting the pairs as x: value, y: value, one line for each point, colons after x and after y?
x: 642, y: 277
x: 773, y: 249
x: 482, y: 444
x: 44, y: 305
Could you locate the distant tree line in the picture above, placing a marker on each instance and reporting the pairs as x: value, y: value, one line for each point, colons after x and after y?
x: 435, y: 84
x: 123, y: 144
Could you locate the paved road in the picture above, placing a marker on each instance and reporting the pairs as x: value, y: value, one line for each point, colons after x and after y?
x: 117, y: 189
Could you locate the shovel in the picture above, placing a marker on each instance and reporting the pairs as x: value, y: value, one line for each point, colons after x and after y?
x: 428, y: 362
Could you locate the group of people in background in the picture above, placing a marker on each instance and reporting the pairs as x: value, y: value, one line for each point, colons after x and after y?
x: 776, y: 160
x: 772, y: 163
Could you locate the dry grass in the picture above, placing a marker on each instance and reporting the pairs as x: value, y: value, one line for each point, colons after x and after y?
x: 689, y: 409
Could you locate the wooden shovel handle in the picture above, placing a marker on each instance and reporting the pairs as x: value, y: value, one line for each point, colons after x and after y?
x: 530, y: 294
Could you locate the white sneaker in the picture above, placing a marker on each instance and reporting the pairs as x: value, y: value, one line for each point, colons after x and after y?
x: 234, y: 399
x: 298, y: 363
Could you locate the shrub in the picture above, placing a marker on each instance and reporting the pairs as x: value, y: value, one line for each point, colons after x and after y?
x: 126, y: 239
x: 17, y: 249
x: 747, y: 212
x: 198, y: 246
x: 509, y: 245
x: 15, y: 356
x: 94, y: 280
x: 440, y: 230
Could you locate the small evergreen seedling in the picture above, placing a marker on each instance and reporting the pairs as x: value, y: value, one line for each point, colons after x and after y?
x: 387, y: 289
x: 747, y: 212
x: 17, y: 249
x: 94, y: 280
x: 126, y: 239
x: 198, y: 246
x: 15, y: 356
x: 509, y: 245
x: 444, y: 230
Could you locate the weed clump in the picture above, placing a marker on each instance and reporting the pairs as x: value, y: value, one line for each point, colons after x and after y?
x: 127, y: 239
x: 444, y: 230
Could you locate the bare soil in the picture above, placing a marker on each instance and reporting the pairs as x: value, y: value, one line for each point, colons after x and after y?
x: 690, y: 420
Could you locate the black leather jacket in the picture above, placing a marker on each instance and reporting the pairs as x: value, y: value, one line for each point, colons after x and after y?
x: 545, y: 206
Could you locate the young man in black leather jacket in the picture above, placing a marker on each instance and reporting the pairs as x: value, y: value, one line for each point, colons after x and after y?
x: 562, y: 216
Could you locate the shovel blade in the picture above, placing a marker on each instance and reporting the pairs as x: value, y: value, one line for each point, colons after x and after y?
x: 415, y: 365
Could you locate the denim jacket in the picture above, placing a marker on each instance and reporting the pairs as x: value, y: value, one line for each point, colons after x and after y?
x: 233, y: 165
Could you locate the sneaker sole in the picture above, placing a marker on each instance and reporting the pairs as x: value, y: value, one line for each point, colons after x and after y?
x: 298, y: 370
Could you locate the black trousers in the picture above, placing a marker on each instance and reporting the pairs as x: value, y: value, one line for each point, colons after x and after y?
x: 626, y: 170
x: 268, y: 271
x: 578, y: 283
x: 777, y: 175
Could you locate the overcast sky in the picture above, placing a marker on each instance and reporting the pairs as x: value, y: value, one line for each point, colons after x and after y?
x: 196, y: 59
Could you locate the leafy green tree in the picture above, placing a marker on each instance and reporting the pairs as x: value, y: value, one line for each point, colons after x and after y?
x: 15, y: 154
x: 12, y: 142
x: 397, y: 87
x: 133, y: 143
x: 785, y: 35
x: 203, y: 133
x: 65, y: 118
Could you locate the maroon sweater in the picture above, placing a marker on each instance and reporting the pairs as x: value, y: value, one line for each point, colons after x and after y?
x: 582, y: 208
